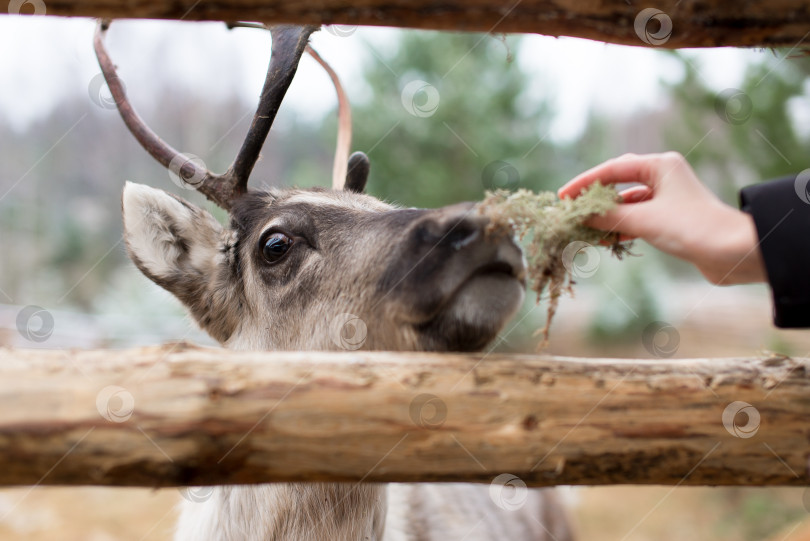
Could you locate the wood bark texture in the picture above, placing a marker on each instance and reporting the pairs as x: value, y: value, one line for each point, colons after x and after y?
x: 182, y: 415
x: 696, y: 23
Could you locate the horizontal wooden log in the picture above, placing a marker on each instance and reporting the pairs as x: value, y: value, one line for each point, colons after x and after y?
x: 183, y: 415
x: 697, y: 23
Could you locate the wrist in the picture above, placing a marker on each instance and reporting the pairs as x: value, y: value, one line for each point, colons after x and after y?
x: 736, y: 257
x: 752, y: 266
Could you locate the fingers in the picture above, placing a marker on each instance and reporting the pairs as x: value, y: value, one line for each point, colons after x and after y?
x: 630, y: 221
x: 616, y: 222
x: 629, y: 168
x: 636, y: 194
x: 621, y: 170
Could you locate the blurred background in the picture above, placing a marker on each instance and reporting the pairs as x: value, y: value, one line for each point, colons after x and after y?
x: 443, y: 117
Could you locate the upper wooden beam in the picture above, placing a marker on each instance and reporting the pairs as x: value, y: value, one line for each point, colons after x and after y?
x: 694, y: 23
x: 181, y: 415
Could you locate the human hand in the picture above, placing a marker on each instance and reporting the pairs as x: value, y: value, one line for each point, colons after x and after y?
x: 673, y: 211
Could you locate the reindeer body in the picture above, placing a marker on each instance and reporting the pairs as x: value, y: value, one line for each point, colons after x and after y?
x: 290, y: 270
x: 290, y: 265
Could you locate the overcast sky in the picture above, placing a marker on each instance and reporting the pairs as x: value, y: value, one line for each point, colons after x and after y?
x: 42, y: 58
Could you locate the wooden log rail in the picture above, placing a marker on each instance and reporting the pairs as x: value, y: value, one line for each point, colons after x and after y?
x: 694, y: 23
x: 183, y: 415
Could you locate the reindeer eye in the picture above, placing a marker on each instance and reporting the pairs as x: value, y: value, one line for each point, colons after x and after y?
x: 275, y: 247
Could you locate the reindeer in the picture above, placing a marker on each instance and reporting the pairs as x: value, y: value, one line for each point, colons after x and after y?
x: 289, y: 263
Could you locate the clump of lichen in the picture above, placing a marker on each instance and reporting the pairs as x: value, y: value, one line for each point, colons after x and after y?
x: 547, y: 226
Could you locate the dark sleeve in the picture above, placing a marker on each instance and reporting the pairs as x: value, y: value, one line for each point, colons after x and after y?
x: 781, y: 212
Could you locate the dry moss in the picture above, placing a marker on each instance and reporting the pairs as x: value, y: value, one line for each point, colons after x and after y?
x: 547, y: 225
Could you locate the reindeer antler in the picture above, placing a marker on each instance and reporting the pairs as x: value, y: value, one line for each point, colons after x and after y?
x: 348, y: 172
x: 289, y: 43
x: 340, y: 168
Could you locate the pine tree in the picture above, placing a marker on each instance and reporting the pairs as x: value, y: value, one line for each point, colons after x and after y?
x: 448, y: 118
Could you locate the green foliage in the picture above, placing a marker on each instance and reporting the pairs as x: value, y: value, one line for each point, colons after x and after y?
x: 486, y: 133
x: 757, y: 514
x: 473, y: 128
x: 736, y: 137
x: 627, y: 305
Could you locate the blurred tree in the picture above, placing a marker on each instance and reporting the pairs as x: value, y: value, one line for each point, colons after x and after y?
x: 739, y: 136
x: 60, y: 208
x: 448, y: 118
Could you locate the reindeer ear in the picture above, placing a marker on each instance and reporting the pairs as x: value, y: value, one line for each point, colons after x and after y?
x: 179, y: 247
x: 357, y: 172
x: 168, y: 238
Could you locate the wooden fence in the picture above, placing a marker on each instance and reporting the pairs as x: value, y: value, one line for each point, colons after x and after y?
x: 183, y: 415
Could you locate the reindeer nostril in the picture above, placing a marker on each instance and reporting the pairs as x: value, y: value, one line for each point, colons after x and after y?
x: 462, y: 235
x: 456, y: 233
x: 455, y: 226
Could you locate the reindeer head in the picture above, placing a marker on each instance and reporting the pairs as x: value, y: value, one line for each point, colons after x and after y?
x: 295, y: 268
x: 295, y: 265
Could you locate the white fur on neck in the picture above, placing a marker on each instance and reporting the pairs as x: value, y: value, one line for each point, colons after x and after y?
x: 286, y: 512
